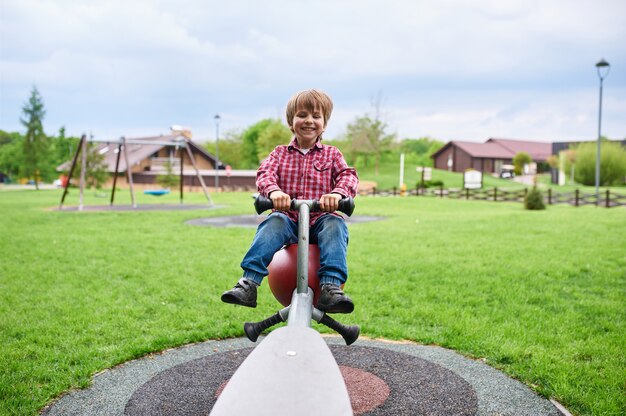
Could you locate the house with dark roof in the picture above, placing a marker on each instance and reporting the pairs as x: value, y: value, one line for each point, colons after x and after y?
x: 488, y: 157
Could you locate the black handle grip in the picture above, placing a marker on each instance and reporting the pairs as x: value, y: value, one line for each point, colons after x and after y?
x: 262, y: 204
x: 350, y: 333
x: 346, y: 206
x: 254, y: 329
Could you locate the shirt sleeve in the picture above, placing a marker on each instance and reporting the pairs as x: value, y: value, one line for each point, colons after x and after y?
x: 267, y: 174
x: 346, y: 178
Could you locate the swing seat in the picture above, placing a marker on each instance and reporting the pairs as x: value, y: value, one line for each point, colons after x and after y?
x: 156, y: 192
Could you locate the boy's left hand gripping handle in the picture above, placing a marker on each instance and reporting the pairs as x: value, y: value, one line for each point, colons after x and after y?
x: 262, y: 204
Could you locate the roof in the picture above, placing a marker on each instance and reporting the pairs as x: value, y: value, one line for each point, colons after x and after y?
x: 538, y: 151
x: 495, y: 148
x: 489, y: 150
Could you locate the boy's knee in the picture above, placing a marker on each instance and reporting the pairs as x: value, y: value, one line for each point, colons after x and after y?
x: 276, y: 221
x: 275, y: 224
x: 334, y: 226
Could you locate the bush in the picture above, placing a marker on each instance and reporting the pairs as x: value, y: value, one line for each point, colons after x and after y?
x: 430, y: 184
x: 519, y: 160
x: 169, y: 179
x: 534, y: 200
x: 612, y: 163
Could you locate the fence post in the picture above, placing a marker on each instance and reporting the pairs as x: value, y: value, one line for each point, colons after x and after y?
x: 495, y: 194
x: 549, y: 196
x: 394, y: 191
x: 576, y: 204
x: 466, y: 193
x: 441, y: 191
x: 607, y: 202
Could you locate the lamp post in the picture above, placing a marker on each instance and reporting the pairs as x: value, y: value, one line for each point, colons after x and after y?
x: 603, y: 68
x: 217, y: 150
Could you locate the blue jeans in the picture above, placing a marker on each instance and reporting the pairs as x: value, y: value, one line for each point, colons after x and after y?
x: 329, y: 232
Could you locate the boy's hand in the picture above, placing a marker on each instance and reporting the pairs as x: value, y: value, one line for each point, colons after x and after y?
x: 281, y: 200
x: 330, y: 202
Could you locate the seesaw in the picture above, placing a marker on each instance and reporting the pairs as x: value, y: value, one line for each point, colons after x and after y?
x: 292, y: 371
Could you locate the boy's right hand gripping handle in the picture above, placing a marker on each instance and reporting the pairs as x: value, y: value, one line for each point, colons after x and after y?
x: 262, y: 204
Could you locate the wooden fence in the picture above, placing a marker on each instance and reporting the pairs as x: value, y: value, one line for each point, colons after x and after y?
x: 577, y: 198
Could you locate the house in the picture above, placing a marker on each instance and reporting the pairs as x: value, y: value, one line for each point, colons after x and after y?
x: 488, y: 157
x: 163, y: 154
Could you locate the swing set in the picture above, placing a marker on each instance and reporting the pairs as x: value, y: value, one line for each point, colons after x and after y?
x: 181, y: 142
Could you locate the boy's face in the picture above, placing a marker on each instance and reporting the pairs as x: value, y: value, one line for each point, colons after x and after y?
x: 308, y: 125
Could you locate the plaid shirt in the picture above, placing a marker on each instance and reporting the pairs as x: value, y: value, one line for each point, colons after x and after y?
x: 322, y: 170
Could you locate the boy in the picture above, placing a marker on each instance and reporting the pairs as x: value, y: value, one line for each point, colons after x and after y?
x: 304, y: 169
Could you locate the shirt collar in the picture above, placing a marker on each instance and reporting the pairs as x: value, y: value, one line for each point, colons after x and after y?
x: 294, y: 144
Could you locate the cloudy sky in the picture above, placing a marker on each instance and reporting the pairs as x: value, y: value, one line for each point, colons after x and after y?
x: 448, y: 69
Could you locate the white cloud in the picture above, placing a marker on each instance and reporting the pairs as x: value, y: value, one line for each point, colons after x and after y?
x: 448, y: 68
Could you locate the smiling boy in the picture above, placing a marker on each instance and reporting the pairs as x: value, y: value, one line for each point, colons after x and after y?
x: 304, y: 169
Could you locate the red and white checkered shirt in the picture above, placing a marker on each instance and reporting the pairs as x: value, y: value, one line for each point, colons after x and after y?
x: 322, y: 170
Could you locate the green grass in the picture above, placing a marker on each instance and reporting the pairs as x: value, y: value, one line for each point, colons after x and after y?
x: 539, y: 295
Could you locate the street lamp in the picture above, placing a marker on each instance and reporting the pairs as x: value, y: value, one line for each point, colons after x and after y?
x: 217, y: 150
x: 603, y: 68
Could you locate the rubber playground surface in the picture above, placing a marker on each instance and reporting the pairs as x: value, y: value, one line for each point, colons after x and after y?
x: 383, y: 378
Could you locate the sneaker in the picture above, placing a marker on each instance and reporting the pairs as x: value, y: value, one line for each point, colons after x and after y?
x: 244, y: 293
x: 333, y: 300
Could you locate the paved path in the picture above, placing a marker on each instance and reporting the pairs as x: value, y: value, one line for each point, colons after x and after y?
x: 419, y: 380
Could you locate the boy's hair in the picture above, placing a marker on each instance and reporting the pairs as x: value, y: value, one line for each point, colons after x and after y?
x: 310, y: 99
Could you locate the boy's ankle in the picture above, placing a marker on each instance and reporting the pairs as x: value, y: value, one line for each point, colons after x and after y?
x: 253, y: 277
x: 329, y: 280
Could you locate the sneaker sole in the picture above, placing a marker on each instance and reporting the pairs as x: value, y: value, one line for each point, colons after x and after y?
x: 226, y: 298
x: 339, y: 307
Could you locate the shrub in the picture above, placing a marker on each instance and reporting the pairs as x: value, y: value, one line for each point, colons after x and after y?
x: 436, y: 183
x: 612, y: 163
x: 169, y: 179
x: 519, y: 160
x: 534, y: 200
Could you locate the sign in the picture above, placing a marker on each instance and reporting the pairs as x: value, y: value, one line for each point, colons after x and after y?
x: 427, y: 173
x: 228, y: 170
x: 472, y: 179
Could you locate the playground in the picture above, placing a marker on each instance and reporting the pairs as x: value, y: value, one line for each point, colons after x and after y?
x: 441, y: 293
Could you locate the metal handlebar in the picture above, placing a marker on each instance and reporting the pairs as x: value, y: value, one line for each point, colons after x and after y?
x: 262, y: 204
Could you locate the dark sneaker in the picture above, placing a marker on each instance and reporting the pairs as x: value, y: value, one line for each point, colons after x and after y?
x: 244, y: 293
x: 333, y: 300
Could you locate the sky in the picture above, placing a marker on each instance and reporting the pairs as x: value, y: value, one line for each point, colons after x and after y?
x: 445, y: 69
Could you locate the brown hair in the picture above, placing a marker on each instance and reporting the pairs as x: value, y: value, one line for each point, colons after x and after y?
x: 309, y: 99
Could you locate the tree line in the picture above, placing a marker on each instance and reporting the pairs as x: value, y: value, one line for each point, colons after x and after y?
x: 35, y: 156
x: 365, y: 143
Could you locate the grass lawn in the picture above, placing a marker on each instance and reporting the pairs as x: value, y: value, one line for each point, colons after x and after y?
x: 540, y: 295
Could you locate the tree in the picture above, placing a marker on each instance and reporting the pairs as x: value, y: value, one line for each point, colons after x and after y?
x: 62, y: 148
x: 367, y: 137
x: 274, y: 134
x: 11, y: 153
x: 249, y: 148
x: 422, y: 148
x: 612, y: 163
x: 96, y: 173
x: 230, y: 149
x: 169, y: 179
x: 36, y: 144
x: 519, y: 160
